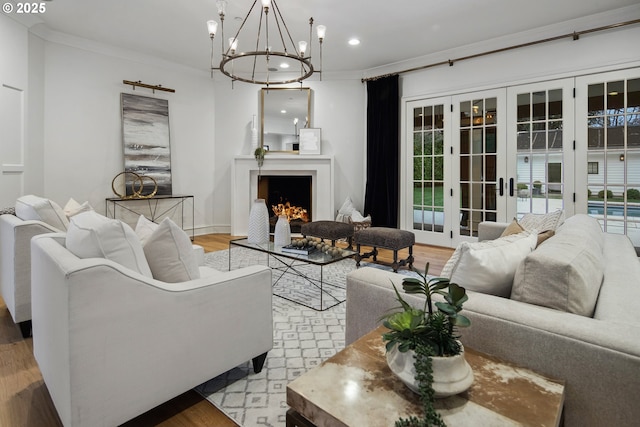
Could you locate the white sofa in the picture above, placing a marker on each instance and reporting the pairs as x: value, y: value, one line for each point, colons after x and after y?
x: 15, y: 266
x: 112, y: 343
x: 598, y: 357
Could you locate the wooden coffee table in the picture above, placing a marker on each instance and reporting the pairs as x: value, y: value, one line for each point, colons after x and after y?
x: 356, y: 388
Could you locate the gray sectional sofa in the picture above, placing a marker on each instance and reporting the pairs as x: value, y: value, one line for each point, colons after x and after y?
x: 597, y: 355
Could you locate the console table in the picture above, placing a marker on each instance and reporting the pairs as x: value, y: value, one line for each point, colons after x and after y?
x: 154, y: 209
x: 356, y: 388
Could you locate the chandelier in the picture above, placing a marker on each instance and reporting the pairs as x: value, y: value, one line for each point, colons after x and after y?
x: 275, y: 58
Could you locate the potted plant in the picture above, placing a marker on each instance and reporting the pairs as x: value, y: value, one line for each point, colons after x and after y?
x: 422, y: 345
x: 259, y: 153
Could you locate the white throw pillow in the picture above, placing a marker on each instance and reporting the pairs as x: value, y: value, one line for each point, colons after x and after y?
x: 91, y: 235
x: 36, y: 208
x: 542, y: 222
x: 74, y: 208
x: 345, y: 210
x: 489, y: 266
x: 145, y: 228
x: 170, y: 254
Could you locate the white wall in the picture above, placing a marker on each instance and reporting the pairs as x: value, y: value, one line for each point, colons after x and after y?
x: 14, y: 94
x: 338, y: 108
x: 599, y: 51
x: 82, y: 127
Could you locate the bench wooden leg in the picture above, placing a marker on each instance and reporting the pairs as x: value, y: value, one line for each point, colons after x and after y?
x: 360, y: 256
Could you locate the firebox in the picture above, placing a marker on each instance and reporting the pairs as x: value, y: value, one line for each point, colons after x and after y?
x: 287, y: 195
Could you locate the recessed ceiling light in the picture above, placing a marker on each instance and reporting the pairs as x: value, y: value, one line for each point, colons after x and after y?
x: 283, y: 111
x: 354, y: 42
x: 284, y: 65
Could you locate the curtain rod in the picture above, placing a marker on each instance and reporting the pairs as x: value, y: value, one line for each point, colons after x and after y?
x: 575, y: 36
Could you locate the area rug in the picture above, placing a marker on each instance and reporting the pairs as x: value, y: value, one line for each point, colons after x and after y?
x: 303, y: 339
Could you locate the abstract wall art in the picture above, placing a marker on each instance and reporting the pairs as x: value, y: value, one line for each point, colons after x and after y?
x: 145, y: 137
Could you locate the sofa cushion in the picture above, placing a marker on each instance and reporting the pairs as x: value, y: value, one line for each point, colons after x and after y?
x: 565, y: 273
x: 170, y: 254
x: 91, y: 235
x: 74, y: 208
x: 489, y: 266
x: 36, y: 208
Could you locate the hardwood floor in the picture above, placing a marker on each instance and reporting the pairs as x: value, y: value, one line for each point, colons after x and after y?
x: 25, y: 401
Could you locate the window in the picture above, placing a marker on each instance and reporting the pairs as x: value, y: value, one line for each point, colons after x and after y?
x: 592, y: 168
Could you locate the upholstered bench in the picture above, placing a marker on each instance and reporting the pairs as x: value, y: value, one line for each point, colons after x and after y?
x: 328, y: 230
x: 385, y: 238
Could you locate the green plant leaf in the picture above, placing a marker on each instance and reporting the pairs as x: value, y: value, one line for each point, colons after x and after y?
x: 461, y: 321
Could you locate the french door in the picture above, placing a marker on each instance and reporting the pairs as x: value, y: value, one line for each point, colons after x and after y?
x: 478, y: 155
x: 608, y: 169
x: 428, y: 176
x: 540, y: 148
x: 487, y: 156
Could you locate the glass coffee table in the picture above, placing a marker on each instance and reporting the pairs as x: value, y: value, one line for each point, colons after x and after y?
x: 310, y: 280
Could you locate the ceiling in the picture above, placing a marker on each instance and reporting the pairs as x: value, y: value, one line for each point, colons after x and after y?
x: 390, y: 32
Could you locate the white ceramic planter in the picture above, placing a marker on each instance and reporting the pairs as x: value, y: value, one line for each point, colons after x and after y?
x: 258, y: 231
x: 451, y: 375
x: 282, y: 232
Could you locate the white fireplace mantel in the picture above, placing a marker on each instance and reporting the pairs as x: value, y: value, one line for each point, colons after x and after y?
x: 244, y: 184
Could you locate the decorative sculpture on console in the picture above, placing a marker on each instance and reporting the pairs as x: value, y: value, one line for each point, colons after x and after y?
x: 137, y: 186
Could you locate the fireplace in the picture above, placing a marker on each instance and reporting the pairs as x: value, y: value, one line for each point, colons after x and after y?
x: 289, y: 195
x: 244, y: 184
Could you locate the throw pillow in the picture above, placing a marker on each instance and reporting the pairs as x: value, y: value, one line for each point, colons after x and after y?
x: 513, y: 228
x: 74, y: 208
x: 36, y: 208
x: 170, y: 254
x: 489, y: 266
x: 145, y: 228
x: 345, y: 210
x: 91, y: 235
x: 542, y: 222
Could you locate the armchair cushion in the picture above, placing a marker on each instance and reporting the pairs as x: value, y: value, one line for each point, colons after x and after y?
x: 170, y: 254
x: 91, y: 235
x: 36, y: 208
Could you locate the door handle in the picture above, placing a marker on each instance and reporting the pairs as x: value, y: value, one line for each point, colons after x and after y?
x: 501, y: 186
x: 511, y: 187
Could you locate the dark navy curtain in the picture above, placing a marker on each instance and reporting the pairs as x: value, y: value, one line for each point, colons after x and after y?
x: 381, y: 198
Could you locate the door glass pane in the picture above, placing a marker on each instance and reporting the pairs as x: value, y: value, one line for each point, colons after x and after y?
x: 554, y: 138
x: 465, y: 138
x: 555, y: 104
x: 524, y: 107
x: 539, y: 105
x: 417, y: 119
x: 596, y: 100
x: 490, y: 138
x: 438, y: 117
x: 417, y: 144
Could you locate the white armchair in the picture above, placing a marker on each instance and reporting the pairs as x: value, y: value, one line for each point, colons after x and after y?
x: 15, y: 266
x: 112, y: 343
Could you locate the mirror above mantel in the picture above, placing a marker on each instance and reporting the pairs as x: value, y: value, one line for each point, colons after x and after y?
x: 284, y: 111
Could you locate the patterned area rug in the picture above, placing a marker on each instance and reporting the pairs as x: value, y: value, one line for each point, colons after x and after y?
x: 303, y: 338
